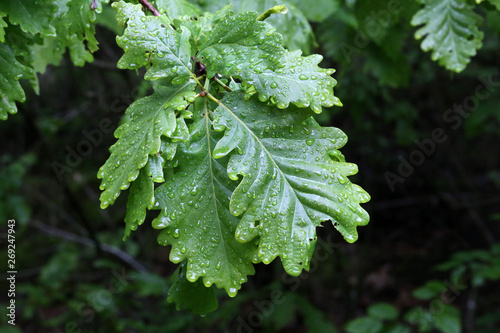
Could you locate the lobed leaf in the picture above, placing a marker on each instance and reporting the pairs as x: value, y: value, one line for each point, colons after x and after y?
x: 293, y: 178
x: 11, y: 71
x: 237, y: 43
x: 151, y: 118
x: 3, y: 25
x: 140, y: 199
x: 450, y: 30
x: 300, y: 81
x: 177, y: 8
x: 32, y: 16
x: 151, y: 41
x: 195, y: 217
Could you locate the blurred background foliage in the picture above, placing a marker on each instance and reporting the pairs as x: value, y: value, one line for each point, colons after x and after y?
x: 428, y: 261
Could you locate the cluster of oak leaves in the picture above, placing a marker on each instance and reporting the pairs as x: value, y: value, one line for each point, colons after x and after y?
x: 227, y: 149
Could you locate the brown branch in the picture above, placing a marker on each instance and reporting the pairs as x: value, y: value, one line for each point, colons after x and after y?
x: 68, y: 236
x: 149, y: 6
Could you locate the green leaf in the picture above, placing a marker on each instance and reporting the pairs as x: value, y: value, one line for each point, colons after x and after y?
x: 3, y: 25
x: 383, y: 311
x: 195, y: 217
x: 363, y: 325
x: 431, y: 289
x: 294, y: 177
x: 300, y: 81
x: 294, y: 27
x: 279, y: 9
x: 141, y: 197
x: 450, y: 30
x: 319, y: 11
x: 33, y: 16
x: 448, y: 320
x: 238, y: 43
x: 151, y: 117
x: 193, y: 296
x: 176, y: 8
x: 82, y: 18
x: 11, y: 70
x: 148, y: 41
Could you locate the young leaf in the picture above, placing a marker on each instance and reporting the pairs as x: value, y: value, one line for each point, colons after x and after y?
x: 140, y: 199
x: 82, y: 16
x: 238, y: 43
x: 177, y: 8
x: 300, y: 81
x: 193, y: 296
x: 151, y: 117
x: 294, y: 178
x: 148, y: 41
x: 33, y: 16
x: 11, y: 71
x: 3, y: 25
x: 195, y: 217
x: 450, y: 30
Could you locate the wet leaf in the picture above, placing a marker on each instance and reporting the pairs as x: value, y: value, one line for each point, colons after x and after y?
x: 151, y: 117
x: 450, y: 30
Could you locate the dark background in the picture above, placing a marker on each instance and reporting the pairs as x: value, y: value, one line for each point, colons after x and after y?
x: 75, y: 274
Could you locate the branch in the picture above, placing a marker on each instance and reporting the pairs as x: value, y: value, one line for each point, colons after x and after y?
x: 149, y: 6
x: 88, y: 242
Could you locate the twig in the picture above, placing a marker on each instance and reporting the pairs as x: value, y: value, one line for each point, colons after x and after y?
x: 149, y: 6
x: 222, y: 83
x: 88, y: 242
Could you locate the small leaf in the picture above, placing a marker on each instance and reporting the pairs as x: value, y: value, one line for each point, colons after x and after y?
x: 11, y: 71
x: 33, y: 16
x: 176, y: 8
x: 300, y: 81
x: 140, y: 199
x: 383, y: 311
x: 280, y: 9
x: 431, y: 289
x: 151, y: 117
x: 239, y: 43
x: 450, y: 30
x: 3, y: 25
x: 192, y: 296
x: 363, y: 325
x: 447, y: 320
x: 148, y: 41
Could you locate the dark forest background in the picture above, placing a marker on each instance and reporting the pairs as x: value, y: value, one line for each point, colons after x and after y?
x: 426, y: 142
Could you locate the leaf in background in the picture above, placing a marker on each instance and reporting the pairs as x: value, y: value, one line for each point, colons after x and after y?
x: 33, y: 16
x: 195, y: 217
x: 176, y: 8
x: 239, y: 43
x: 294, y: 178
x: 296, y: 31
x: 383, y: 311
x: 151, y: 117
x: 447, y: 320
x: 319, y: 11
x: 192, y: 296
x: 300, y: 81
x: 81, y: 21
x: 11, y: 71
x: 364, y: 325
x: 150, y: 41
x: 450, y: 30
